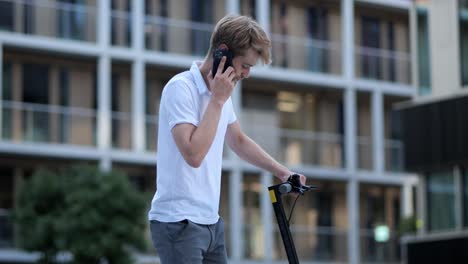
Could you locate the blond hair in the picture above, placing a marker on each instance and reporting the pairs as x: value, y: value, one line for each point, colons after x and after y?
x: 240, y: 33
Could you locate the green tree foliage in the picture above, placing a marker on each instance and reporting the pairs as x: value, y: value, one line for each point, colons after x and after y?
x: 96, y: 216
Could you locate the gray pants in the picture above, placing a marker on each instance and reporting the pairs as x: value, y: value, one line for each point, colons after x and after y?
x: 189, y: 243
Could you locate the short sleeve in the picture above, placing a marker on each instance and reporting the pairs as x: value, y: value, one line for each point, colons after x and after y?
x: 232, y: 115
x: 180, y: 105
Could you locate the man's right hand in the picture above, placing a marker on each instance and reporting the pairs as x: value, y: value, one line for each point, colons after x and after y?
x: 222, y: 84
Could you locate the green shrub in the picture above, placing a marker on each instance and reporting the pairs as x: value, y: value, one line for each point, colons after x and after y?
x: 94, y: 215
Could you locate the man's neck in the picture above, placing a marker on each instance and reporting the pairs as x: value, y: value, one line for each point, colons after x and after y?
x: 205, y: 68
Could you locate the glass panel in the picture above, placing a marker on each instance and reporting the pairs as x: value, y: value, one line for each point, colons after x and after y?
x: 36, y: 91
x: 379, y: 220
x: 371, y: 65
x: 6, y: 114
x: 202, y: 12
x: 463, y: 14
x: 424, y: 66
x: 156, y: 32
x: 295, y: 127
x: 393, y: 143
x: 253, y: 228
x: 121, y: 107
x: 364, y: 132
x: 6, y: 15
x: 382, y: 46
x: 225, y: 209
x: 70, y: 19
x: 441, y: 201
x: 304, y: 36
x: 121, y: 23
x: 154, y: 86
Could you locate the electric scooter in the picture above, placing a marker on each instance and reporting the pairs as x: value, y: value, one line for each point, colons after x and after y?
x: 292, y: 185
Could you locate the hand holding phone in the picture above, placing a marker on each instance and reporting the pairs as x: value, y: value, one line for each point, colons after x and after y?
x: 218, y: 54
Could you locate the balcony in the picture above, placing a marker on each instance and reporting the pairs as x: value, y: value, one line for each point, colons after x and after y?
x: 383, y: 65
x: 28, y: 122
x: 177, y: 36
x: 49, y: 19
x: 303, y: 53
x: 300, y: 147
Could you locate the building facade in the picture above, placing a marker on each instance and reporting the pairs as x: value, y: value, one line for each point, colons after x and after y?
x: 435, y: 127
x: 81, y: 82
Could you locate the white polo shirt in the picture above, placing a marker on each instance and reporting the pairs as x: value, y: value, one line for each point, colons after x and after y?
x: 184, y: 192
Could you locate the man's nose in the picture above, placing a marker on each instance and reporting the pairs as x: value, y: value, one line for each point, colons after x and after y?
x: 246, y: 73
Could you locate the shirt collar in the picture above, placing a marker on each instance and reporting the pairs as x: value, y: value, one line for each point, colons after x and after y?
x: 197, y: 76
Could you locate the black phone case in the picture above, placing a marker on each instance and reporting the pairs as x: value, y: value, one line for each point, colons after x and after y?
x: 217, y: 55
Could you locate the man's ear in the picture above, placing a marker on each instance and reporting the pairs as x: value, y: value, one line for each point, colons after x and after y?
x: 223, y: 46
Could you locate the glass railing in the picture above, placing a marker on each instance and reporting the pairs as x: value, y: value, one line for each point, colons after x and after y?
x: 304, y: 53
x: 177, y: 36
x: 6, y: 229
x: 383, y: 65
x: 379, y: 248
x: 299, y: 147
x: 49, y: 18
x: 121, y: 26
x: 317, y: 244
x: 394, y: 155
x: 364, y: 151
x: 121, y: 130
x: 151, y: 126
x: 28, y: 122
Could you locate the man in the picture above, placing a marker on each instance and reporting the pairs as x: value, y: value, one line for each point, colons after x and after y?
x: 196, y: 116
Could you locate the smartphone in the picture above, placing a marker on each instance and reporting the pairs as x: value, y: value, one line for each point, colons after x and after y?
x: 217, y: 56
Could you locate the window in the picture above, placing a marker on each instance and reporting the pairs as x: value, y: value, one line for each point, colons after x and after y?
x: 28, y: 17
x: 72, y: 19
x: 371, y: 65
x: 463, y: 14
x: 424, y: 67
x: 391, y: 47
x: 6, y: 113
x: 253, y: 229
x: 317, y: 25
x: 202, y: 12
x: 115, y: 109
x: 64, y: 101
x: 6, y: 15
x: 36, y: 91
x: 440, y: 201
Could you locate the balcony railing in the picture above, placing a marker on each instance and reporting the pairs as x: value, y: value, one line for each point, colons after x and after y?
x: 49, y: 18
x: 365, y: 154
x: 300, y: 147
x: 28, y: 122
x: 306, y: 54
x: 394, y: 155
x: 121, y: 130
x: 321, y: 244
x: 151, y: 124
x: 383, y: 65
x: 121, y: 26
x: 177, y: 36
